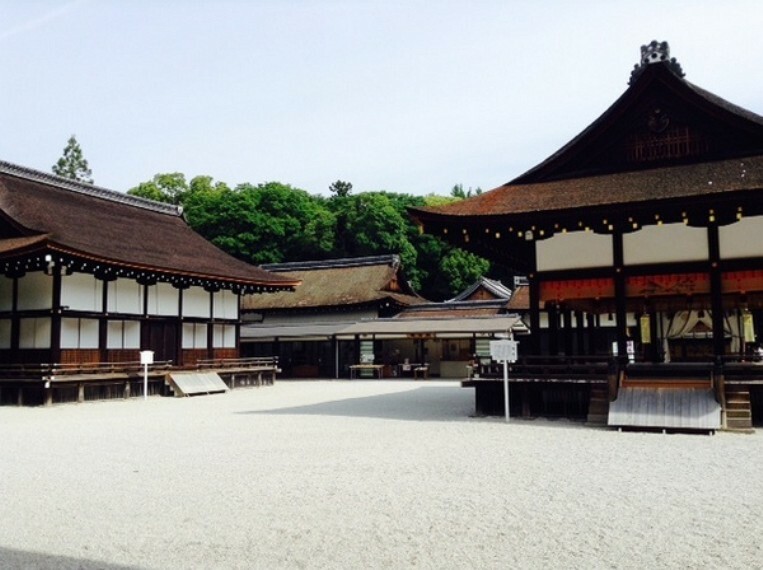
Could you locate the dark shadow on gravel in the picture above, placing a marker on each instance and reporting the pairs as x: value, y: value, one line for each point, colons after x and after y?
x: 424, y: 403
x: 12, y: 558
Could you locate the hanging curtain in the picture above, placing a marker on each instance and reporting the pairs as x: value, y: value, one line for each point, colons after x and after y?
x: 683, y: 323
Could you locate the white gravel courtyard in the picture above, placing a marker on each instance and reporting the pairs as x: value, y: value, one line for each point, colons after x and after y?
x: 365, y: 474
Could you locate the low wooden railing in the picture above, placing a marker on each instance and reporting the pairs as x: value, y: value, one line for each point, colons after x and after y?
x: 240, y: 363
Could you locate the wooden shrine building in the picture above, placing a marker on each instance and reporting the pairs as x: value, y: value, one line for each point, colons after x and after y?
x: 651, y: 219
x: 88, y: 275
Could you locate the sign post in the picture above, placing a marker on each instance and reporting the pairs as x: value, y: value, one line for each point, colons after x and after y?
x: 504, y: 350
x: 146, y: 358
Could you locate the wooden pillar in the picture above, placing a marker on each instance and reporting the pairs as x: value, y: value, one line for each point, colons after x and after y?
x: 103, y: 322
x: 621, y: 313
x: 55, y: 325
x: 567, y: 331
x: 580, y: 349
x: 535, y: 332
x: 716, y: 293
x: 15, y: 322
x: 210, y: 325
x: 553, y: 329
x: 592, y: 343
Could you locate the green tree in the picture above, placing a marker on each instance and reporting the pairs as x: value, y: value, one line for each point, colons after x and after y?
x: 340, y: 188
x: 461, y: 268
x: 458, y: 192
x: 267, y: 223
x: 169, y: 187
x: 73, y: 164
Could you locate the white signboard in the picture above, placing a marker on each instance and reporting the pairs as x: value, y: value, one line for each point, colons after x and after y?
x: 146, y: 356
x: 504, y: 350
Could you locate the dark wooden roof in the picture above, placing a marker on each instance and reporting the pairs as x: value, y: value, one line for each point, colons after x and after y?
x: 455, y: 310
x: 483, y: 289
x: 337, y: 283
x: 100, y: 227
x: 664, y: 139
x: 701, y: 180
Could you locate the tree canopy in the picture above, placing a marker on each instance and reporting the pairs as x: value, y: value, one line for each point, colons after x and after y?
x: 73, y: 164
x: 274, y: 222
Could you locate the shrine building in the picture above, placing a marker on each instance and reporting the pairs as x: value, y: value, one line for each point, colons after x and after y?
x: 90, y: 276
x: 642, y: 243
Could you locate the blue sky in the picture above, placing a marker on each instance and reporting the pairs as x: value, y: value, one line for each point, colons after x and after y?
x: 392, y: 95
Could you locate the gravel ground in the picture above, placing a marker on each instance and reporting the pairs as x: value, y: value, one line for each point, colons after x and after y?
x: 365, y: 474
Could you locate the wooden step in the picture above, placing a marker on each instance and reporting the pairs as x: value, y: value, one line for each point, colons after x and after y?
x: 738, y: 409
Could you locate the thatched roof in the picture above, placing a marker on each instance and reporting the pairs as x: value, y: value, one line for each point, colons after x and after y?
x: 45, y: 213
x: 336, y: 283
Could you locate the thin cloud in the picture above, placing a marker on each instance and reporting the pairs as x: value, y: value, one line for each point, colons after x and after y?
x: 41, y: 21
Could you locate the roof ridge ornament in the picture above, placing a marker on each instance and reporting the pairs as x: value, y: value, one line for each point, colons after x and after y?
x: 655, y: 52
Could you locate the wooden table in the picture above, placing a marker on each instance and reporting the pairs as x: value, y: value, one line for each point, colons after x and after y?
x: 377, y: 369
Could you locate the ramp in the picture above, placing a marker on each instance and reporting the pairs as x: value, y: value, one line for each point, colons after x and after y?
x: 666, y: 408
x: 194, y: 383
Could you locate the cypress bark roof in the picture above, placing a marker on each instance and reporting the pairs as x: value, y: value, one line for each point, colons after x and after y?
x: 102, y: 226
x: 717, y: 149
x: 338, y: 282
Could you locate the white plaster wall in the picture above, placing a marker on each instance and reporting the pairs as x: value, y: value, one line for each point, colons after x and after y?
x: 35, y: 291
x: 163, y: 299
x: 665, y: 244
x: 82, y: 292
x: 224, y: 336
x: 79, y: 333
x: 123, y: 334
x: 6, y: 293
x: 194, y: 335
x: 574, y: 250
x: 742, y: 239
x: 35, y: 333
x: 125, y: 296
x: 196, y: 302
x: 225, y: 305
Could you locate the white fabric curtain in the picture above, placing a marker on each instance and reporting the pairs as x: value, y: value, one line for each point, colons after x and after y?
x: 683, y: 323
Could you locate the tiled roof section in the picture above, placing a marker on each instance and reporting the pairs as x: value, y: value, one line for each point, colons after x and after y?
x: 336, y: 283
x: 390, y: 259
x: 112, y: 228
x: 695, y: 180
x: 520, y: 300
x: 453, y: 310
x: 495, y: 288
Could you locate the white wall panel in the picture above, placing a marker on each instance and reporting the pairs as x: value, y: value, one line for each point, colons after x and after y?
x: 35, y: 291
x: 742, y: 239
x: 123, y: 334
x: 225, y: 305
x: 69, y: 333
x: 125, y: 296
x: 667, y: 243
x: 82, y: 292
x: 574, y: 250
x: 79, y: 333
x: 6, y: 293
x: 194, y: 335
x: 196, y: 302
x: 35, y: 333
x: 163, y: 299
x: 224, y: 336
